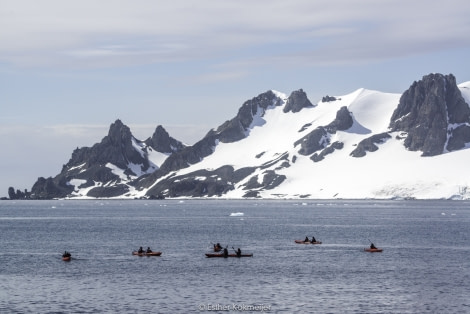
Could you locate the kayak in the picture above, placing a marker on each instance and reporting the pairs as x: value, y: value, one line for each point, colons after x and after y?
x: 229, y: 255
x: 66, y: 258
x: 147, y: 254
x: 373, y: 250
x: 306, y: 242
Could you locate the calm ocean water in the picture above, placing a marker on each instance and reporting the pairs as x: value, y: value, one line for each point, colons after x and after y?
x: 425, y: 265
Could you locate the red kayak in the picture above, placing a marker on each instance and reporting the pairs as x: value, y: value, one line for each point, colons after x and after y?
x: 373, y: 250
x: 66, y: 258
x: 229, y: 255
x: 306, y: 242
x: 147, y: 254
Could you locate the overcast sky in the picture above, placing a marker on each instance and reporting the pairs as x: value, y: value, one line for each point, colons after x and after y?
x: 68, y: 69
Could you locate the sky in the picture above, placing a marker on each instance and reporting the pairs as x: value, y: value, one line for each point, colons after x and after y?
x: 68, y: 69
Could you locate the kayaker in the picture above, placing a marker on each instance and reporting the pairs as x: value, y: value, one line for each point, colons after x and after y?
x: 225, y: 253
x: 66, y: 254
x: 372, y: 246
x: 313, y: 240
x: 149, y: 250
x: 239, y: 252
x: 217, y: 247
x: 141, y: 250
x: 306, y: 239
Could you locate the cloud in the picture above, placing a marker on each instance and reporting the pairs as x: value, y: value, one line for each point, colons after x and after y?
x: 119, y: 33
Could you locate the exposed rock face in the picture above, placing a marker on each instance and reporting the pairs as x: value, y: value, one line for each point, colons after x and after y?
x: 459, y: 136
x: 368, y: 144
x: 115, y: 148
x: 342, y: 122
x: 270, y: 180
x: 314, y: 141
x: 319, y: 138
x: 326, y: 151
x: 431, y: 111
x: 190, y: 155
x: 18, y: 195
x: 162, y: 142
x: 297, y: 101
x: 235, y: 129
x: 109, y: 191
x: 328, y: 98
x: 201, y: 183
x: 48, y: 189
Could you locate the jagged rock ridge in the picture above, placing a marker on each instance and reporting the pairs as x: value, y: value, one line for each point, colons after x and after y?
x: 108, y: 168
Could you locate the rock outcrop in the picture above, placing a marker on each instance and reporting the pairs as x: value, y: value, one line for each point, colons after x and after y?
x: 434, y: 115
x: 319, y: 138
x: 297, y: 101
x: 368, y: 144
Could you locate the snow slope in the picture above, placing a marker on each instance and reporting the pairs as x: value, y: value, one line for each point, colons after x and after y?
x: 390, y: 172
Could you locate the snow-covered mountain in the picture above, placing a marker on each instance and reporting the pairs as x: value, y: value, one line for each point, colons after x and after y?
x: 366, y: 144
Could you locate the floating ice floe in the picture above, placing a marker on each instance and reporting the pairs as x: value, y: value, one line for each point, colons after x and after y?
x: 236, y: 214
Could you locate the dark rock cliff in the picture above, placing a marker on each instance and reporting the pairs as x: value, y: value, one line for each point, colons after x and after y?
x: 368, y: 144
x: 319, y: 138
x: 297, y: 101
x: 434, y: 115
x: 162, y: 142
x: 235, y: 129
x: 115, y: 148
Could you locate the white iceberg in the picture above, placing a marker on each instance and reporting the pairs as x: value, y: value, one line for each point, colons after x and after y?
x: 236, y: 214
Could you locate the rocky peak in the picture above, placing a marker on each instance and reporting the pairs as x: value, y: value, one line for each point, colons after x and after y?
x: 115, y: 148
x: 297, y: 101
x: 119, y: 132
x: 342, y: 122
x: 162, y: 142
x: 234, y: 130
x: 426, y: 111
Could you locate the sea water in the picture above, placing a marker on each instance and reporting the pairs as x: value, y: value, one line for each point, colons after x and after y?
x: 424, y: 266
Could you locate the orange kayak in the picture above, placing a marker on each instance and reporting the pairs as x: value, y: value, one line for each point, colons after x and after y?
x: 66, y: 258
x: 147, y: 254
x: 306, y: 242
x: 373, y: 250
